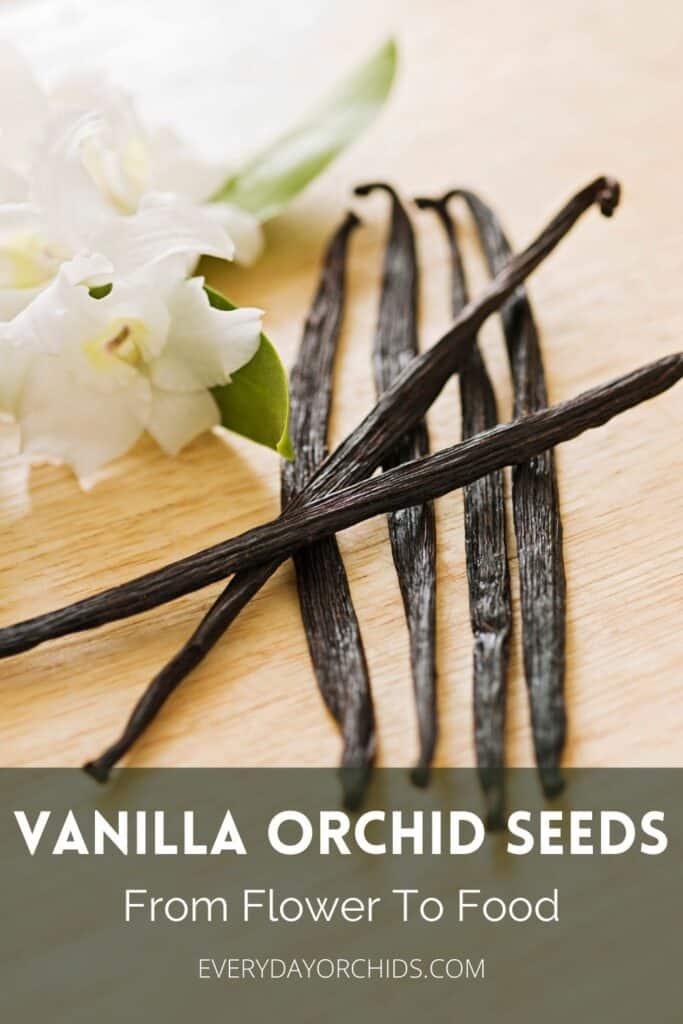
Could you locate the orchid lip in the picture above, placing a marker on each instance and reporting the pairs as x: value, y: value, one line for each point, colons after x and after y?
x: 123, y: 346
x: 122, y: 341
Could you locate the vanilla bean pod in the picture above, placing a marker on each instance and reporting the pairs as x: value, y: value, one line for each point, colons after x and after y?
x: 537, y: 518
x: 329, y: 618
x: 412, y: 531
x: 435, y: 475
x: 426, y: 478
x: 486, y: 554
x: 357, y: 457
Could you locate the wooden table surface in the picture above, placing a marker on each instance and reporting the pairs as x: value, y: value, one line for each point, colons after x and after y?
x: 524, y: 102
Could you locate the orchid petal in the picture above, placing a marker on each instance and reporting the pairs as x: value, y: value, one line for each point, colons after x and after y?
x: 27, y: 260
x: 213, y: 343
x: 13, y: 186
x: 163, y: 227
x: 114, y: 151
x: 14, y: 300
x: 89, y: 268
x: 65, y: 319
x: 81, y: 215
x: 127, y: 138
x: 173, y: 373
x: 178, y: 418
x: 41, y: 326
x: 133, y: 302
x: 23, y: 108
x: 60, y: 420
x: 244, y: 230
x: 74, y: 207
x: 21, y: 216
x: 14, y: 364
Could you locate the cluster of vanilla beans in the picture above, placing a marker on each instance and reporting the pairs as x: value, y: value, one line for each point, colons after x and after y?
x: 324, y: 493
x: 538, y: 530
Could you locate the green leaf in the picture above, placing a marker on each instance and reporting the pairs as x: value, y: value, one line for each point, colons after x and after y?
x: 255, y: 403
x: 273, y: 178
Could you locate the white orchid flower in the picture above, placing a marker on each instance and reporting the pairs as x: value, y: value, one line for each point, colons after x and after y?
x: 84, y: 377
x: 79, y: 172
x: 24, y: 108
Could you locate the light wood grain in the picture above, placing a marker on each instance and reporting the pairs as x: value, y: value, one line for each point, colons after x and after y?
x: 523, y: 102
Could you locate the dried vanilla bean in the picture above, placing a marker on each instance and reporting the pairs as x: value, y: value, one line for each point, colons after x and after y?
x: 483, y: 455
x: 435, y: 475
x: 538, y: 523
x: 329, y: 618
x: 412, y: 531
x: 354, y: 459
x: 486, y: 554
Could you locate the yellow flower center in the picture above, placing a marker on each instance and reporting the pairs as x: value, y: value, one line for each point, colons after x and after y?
x: 27, y: 261
x: 121, y: 341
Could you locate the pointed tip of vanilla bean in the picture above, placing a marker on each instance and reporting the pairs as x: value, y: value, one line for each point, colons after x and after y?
x: 610, y: 196
x: 552, y: 779
x: 492, y: 779
x: 354, y: 779
x: 421, y: 774
x: 374, y: 186
x: 99, y: 770
x: 352, y: 220
x: 431, y: 203
x: 603, y: 190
